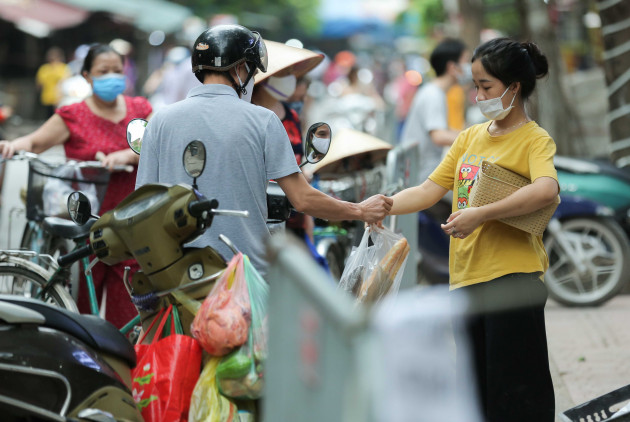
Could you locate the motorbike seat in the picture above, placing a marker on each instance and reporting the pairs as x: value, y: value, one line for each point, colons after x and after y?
x: 92, y: 330
x: 610, y: 169
x: 67, y: 229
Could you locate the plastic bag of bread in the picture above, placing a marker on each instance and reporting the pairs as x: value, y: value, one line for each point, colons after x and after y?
x: 375, y: 267
x: 222, y: 323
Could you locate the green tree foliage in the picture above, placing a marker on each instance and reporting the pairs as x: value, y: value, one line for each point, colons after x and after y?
x: 275, y: 18
x: 502, y: 15
x: 423, y: 15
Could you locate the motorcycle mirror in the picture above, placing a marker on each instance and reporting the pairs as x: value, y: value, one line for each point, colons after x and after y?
x: 317, y: 142
x: 79, y: 208
x: 135, y: 132
x: 194, y: 159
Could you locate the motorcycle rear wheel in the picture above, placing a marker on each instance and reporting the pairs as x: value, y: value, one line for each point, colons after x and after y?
x: 602, y: 246
x: 21, y: 281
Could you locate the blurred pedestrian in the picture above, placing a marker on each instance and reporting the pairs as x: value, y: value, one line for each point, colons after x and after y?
x: 171, y: 81
x: 48, y: 78
x: 97, y: 125
x: 499, y: 268
x: 427, y: 120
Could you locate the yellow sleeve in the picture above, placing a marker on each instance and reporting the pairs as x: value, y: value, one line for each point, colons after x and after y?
x: 541, y: 158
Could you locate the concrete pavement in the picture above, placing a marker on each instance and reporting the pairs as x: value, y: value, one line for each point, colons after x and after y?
x: 589, y: 350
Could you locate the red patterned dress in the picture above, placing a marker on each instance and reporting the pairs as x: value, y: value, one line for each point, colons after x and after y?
x: 90, y: 134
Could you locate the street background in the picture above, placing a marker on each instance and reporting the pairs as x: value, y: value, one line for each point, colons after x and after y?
x: 581, y: 103
x: 589, y: 350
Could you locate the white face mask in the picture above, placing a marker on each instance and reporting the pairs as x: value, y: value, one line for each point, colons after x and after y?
x: 493, y: 108
x: 280, y: 88
x: 249, y: 88
x: 321, y: 144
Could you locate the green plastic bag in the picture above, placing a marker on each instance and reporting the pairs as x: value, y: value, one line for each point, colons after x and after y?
x: 240, y: 374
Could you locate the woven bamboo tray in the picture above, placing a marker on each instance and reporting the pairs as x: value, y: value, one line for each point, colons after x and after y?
x: 494, y: 183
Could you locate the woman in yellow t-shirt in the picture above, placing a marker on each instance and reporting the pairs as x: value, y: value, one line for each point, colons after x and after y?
x: 497, y: 267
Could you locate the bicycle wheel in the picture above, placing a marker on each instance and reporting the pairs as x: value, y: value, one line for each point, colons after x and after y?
x: 22, y: 281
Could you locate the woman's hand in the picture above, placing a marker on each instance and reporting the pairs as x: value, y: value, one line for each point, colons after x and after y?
x: 463, y: 222
x: 117, y: 158
x: 7, y: 149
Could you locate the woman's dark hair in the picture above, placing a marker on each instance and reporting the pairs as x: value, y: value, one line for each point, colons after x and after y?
x: 511, y: 61
x: 97, y: 50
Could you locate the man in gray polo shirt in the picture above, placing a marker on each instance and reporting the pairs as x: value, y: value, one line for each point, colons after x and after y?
x: 246, y: 147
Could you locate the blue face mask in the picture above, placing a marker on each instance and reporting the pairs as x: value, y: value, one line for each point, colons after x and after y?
x: 109, y: 86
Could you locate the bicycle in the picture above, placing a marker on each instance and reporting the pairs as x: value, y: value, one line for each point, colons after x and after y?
x: 33, y: 271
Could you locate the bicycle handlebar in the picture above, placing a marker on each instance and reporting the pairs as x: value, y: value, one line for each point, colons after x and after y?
x: 27, y: 155
x: 74, y: 256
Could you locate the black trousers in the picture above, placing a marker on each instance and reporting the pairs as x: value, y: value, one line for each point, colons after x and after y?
x: 506, y: 335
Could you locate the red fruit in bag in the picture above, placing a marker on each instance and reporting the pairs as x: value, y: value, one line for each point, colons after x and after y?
x: 221, y: 324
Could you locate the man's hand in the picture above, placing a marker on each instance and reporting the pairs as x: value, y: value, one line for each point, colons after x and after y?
x: 375, y: 208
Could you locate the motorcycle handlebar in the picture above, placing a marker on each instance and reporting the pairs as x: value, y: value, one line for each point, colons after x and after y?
x: 74, y: 256
x: 197, y: 208
x: 232, y: 213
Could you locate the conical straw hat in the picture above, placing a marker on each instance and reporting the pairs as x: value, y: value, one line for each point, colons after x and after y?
x: 284, y: 57
x: 351, y: 143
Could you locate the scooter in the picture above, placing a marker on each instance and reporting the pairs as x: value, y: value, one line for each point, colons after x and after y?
x: 587, y: 240
x: 57, y: 365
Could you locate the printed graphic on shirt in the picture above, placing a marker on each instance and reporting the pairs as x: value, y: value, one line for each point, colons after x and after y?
x: 467, y: 174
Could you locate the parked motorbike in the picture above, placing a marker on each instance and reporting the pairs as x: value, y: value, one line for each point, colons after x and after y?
x: 57, y: 365
x: 67, y: 353
x: 587, y: 241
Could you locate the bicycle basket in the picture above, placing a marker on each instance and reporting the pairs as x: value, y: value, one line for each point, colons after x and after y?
x: 50, y: 184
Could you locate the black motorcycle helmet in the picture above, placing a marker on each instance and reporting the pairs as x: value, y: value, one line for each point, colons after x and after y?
x: 222, y: 47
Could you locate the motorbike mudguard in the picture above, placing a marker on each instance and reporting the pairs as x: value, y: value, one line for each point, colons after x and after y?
x: 578, y: 206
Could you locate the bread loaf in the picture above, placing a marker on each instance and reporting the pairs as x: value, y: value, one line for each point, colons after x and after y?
x: 383, y: 276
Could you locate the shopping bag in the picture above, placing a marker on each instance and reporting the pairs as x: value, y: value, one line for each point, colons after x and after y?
x: 167, y: 370
x: 206, y: 404
x: 60, y: 184
x: 222, y: 322
x: 375, y: 268
x: 240, y: 374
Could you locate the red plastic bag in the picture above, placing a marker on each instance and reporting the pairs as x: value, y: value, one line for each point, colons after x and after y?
x: 222, y: 322
x: 167, y: 371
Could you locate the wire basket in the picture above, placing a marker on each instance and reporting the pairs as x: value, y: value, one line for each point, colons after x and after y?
x: 603, y: 408
x: 494, y: 183
x: 49, y: 186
